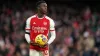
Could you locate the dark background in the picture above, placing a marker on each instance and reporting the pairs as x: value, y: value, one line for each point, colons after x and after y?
x: 77, y: 4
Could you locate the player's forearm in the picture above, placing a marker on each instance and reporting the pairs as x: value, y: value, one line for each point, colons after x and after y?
x: 53, y: 36
x: 27, y: 37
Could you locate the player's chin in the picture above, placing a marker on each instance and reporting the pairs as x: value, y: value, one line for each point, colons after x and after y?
x: 45, y: 12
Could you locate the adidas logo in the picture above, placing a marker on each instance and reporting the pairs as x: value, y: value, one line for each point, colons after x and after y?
x: 34, y: 23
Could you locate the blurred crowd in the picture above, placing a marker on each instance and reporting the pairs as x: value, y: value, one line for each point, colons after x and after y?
x: 78, y: 31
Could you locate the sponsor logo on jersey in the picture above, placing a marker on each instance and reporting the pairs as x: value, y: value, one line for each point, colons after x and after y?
x: 39, y: 29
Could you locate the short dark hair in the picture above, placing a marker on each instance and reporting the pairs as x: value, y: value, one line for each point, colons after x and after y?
x: 39, y: 2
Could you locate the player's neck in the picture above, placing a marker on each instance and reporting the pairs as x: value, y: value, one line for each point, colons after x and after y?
x: 40, y: 15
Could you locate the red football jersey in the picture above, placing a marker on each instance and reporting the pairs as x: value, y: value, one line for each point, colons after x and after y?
x: 38, y: 26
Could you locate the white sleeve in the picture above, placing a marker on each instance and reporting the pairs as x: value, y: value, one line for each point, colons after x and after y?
x: 52, y: 25
x: 28, y: 24
x: 53, y: 36
x: 27, y: 30
x: 27, y: 37
x: 52, y: 32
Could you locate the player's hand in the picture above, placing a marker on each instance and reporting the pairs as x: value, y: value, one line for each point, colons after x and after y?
x: 44, y: 45
x: 34, y: 44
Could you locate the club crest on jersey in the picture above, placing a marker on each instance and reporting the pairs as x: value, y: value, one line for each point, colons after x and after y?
x: 45, y: 23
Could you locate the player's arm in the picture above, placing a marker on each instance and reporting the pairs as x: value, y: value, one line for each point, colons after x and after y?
x: 27, y: 37
x: 52, y: 32
x: 27, y: 30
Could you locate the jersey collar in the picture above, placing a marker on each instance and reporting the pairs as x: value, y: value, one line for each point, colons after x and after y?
x: 40, y: 18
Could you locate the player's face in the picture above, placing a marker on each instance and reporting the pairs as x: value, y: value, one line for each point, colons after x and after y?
x: 43, y: 8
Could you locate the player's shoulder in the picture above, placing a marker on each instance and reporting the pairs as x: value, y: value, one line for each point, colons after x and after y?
x: 48, y: 18
x: 32, y: 17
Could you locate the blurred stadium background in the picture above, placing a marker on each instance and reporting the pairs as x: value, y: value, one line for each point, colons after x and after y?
x: 77, y: 27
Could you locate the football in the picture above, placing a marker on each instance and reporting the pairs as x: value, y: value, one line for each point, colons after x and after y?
x: 41, y: 39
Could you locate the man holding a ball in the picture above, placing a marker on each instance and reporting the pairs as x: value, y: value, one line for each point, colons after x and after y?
x: 36, y: 25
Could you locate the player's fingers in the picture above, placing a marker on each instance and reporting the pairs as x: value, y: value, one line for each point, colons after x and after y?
x: 34, y: 44
x: 41, y: 46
